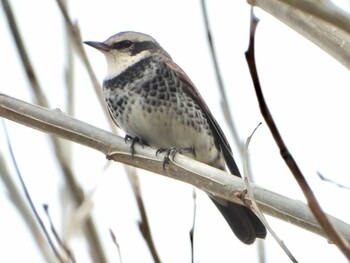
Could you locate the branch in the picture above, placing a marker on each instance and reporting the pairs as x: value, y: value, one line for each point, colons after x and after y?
x: 321, y: 22
x: 316, y: 209
x: 202, y: 176
x: 253, y: 204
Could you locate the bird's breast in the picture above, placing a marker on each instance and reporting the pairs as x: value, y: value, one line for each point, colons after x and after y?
x: 153, y: 106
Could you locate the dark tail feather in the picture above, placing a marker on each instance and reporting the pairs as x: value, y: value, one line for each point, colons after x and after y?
x: 243, y: 222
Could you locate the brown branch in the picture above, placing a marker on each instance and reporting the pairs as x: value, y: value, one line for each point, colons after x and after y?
x: 332, y: 234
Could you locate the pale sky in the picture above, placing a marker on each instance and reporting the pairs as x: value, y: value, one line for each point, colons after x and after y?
x: 306, y: 89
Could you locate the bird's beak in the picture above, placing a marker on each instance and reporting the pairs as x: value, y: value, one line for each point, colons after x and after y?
x: 98, y: 45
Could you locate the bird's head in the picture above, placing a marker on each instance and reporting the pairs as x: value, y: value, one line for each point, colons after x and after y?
x: 125, y: 49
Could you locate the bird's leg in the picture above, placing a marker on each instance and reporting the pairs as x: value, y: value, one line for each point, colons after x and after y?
x: 172, y: 151
x: 133, y: 141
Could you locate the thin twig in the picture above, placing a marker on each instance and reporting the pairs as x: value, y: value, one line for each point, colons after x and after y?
x: 194, y: 195
x: 225, y: 107
x: 332, y: 234
x: 69, y: 71
x: 18, y: 199
x: 254, y: 205
x: 224, y: 101
x: 69, y: 83
x: 29, y: 198
x: 115, y: 242
x: 323, y: 178
x: 261, y: 248
x: 68, y: 252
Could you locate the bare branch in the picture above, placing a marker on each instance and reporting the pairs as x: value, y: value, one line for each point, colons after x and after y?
x: 254, y: 205
x: 316, y: 209
x: 321, y: 22
x: 202, y: 176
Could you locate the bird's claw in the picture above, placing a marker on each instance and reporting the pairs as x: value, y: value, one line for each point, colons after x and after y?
x: 133, y: 140
x: 172, y: 151
x: 169, y: 153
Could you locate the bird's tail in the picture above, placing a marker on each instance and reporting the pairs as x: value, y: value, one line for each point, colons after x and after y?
x: 243, y: 222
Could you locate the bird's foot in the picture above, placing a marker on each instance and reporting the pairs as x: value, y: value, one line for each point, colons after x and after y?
x: 172, y: 151
x: 169, y: 153
x: 134, y: 140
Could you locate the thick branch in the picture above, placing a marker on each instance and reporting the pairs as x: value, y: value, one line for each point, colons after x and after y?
x: 202, y: 176
x: 319, y: 21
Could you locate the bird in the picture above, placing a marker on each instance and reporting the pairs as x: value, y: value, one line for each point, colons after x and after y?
x: 153, y: 100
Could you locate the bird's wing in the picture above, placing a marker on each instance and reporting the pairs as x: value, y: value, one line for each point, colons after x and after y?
x: 218, y: 134
x: 243, y: 222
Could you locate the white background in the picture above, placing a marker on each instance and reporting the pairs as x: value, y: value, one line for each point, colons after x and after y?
x: 307, y: 92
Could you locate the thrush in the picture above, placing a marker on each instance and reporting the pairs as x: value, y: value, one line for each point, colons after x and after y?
x: 153, y: 100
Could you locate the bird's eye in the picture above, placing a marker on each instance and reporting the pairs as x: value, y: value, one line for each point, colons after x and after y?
x: 122, y: 44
